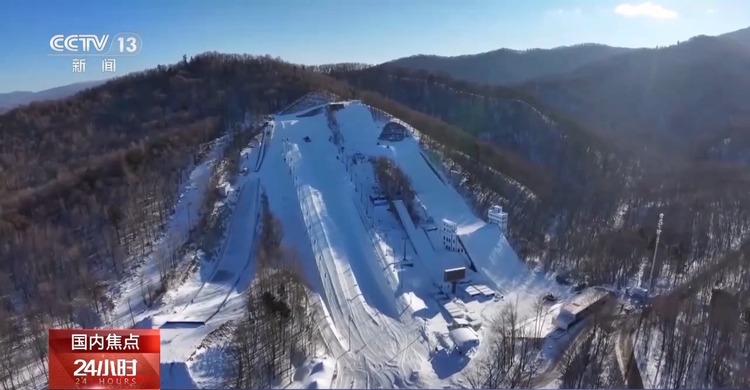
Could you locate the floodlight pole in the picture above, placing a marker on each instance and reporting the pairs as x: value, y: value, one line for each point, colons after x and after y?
x: 656, y: 247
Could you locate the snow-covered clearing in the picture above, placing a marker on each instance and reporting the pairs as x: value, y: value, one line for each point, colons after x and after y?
x: 316, y: 374
x: 385, y: 320
x: 129, y: 295
x: 207, y: 298
x: 648, y: 360
x: 203, y: 296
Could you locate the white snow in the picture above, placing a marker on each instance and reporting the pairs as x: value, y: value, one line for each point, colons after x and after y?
x: 184, y: 217
x: 209, y: 297
x: 361, y: 304
x: 315, y: 374
x: 382, y: 323
x: 464, y: 338
x: 432, y: 260
x: 355, y: 249
x: 648, y: 360
x: 205, y: 295
x: 176, y: 375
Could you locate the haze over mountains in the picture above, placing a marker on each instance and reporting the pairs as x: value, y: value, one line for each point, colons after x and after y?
x: 688, y: 100
x: 692, y: 95
x: 16, y: 98
x: 508, y: 66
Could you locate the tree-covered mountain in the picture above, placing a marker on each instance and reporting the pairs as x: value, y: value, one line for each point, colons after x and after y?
x: 599, y: 222
x: 683, y: 101
x: 740, y: 36
x: 506, y: 66
x: 86, y: 182
x: 591, y: 180
x: 80, y: 161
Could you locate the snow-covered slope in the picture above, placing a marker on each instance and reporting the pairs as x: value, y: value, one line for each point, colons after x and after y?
x: 353, y: 246
x: 381, y: 322
x: 362, y: 309
x: 485, y: 244
x: 204, y: 296
x: 176, y: 376
x: 211, y: 296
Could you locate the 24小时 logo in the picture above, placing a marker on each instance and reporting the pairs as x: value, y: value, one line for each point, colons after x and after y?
x: 104, y: 359
x: 121, y: 44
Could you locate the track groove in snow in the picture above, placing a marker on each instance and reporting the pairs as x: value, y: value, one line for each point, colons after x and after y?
x: 342, y: 250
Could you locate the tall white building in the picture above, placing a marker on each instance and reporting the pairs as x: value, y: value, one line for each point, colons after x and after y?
x: 450, y: 237
x: 497, y: 216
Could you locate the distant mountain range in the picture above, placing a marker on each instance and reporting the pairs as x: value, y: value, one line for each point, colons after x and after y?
x: 14, y: 99
x: 506, y: 66
x: 684, y: 97
x: 689, y: 100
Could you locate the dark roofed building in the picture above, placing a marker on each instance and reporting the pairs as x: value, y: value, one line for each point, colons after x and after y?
x: 393, y: 131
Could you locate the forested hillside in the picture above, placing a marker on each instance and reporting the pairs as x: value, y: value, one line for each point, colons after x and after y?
x: 601, y: 215
x: 91, y: 161
x: 87, y: 182
x: 672, y: 103
x: 599, y: 225
x: 688, y: 96
x: 577, y: 177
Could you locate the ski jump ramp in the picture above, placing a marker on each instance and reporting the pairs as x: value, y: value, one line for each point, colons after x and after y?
x: 434, y: 262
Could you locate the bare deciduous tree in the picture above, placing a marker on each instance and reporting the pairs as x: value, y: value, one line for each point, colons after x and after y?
x: 508, y: 361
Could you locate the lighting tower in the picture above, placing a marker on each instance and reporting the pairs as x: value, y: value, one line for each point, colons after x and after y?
x: 656, y: 247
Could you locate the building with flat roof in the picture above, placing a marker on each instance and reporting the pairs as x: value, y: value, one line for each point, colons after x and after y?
x: 450, y: 237
x: 496, y: 215
x: 580, y: 306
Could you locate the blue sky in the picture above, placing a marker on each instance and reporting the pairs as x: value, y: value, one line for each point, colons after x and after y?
x: 326, y: 31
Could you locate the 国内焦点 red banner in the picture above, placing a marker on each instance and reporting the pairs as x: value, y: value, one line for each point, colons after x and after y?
x: 104, y: 359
